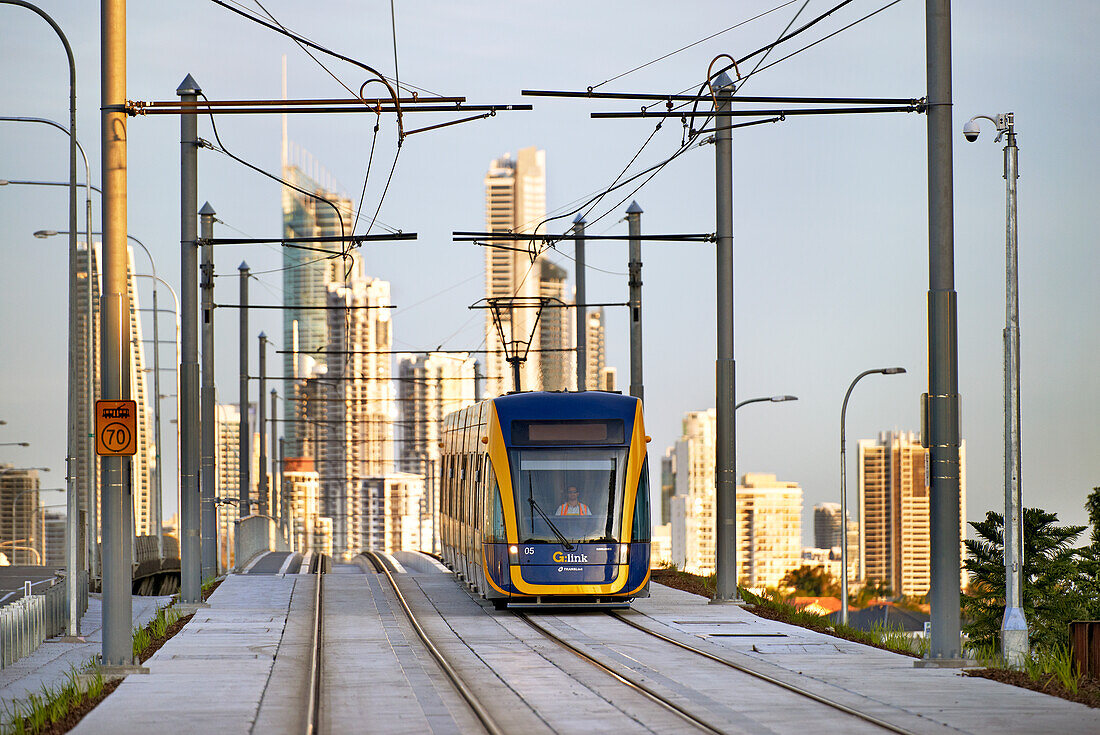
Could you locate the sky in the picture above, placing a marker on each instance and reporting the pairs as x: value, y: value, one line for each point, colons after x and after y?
x: 830, y: 213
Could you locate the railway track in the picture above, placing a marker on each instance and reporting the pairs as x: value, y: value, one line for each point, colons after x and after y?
x: 890, y: 727
x: 699, y: 722
x: 694, y: 719
x: 313, y: 709
x: 636, y: 686
x: 461, y: 686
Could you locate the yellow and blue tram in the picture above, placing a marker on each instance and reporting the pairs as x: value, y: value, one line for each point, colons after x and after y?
x: 544, y: 499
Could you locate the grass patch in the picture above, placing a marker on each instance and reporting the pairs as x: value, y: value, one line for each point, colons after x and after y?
x: 1047, y: 670
x: 57, y: 710
x: 209, y: 586
x: 889, y: 639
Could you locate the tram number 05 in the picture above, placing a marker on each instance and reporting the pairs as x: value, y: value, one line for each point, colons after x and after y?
x: 528, y: 550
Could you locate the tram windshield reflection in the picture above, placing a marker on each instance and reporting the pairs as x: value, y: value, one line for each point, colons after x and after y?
x: 569, y: 495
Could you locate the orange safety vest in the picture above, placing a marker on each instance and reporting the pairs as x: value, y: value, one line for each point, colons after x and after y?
x: 582, y: 510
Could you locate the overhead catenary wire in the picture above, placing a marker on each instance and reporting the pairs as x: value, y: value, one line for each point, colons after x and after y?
x: 304, y: 49
x: 840, y: 30
x: 691, y: 45
x: 247, y: 14
x: 322, y: 49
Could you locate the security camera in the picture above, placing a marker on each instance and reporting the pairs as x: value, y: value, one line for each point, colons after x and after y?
x: 971, y: 130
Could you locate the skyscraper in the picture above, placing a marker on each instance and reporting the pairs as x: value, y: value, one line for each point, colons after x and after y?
x: 144, y: 461
x: 595, y: 356
x: 86, y: 487
x: 18, y: 505
x: 515, y: 202
x: 308, y: 530
x: 556, y: 361
x: 827, y: 526
x: 356, y: 439
x: 895, y: 547
x: 692, y: 506
x: 227, y: 466
x: 306, y: 275
x: 769, y: 526
x: 769, y: 529
x: 428, y: 388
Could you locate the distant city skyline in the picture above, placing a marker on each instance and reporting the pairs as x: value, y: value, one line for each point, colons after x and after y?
x: 830, y: 213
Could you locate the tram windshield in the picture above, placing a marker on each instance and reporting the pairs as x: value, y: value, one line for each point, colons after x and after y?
x: 569, y: 496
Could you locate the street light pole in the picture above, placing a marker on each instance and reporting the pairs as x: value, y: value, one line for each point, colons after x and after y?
x: 844, y: 492
x: 208, y: 515
x: 275, y: 505
x: 156, y: 315
x: 90, y: 484
x: 245, y: 453
x: 73, y: 501
x: 1014, y: 637
x: 261, y: 424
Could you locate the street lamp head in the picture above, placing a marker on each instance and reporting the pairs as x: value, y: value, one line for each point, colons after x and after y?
x: 893, y: 370
x: 780, y: 399
x: 43, y: 234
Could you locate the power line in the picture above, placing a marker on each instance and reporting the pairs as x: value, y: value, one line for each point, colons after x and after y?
x: 795, y: 53
x: 305, y: 307
x: 690, y: 45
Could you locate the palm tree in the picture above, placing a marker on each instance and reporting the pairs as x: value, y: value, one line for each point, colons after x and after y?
x: 1052, y: 581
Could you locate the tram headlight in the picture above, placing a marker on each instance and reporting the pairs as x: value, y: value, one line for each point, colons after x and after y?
x: 624, y: 553
x: 513, y: 554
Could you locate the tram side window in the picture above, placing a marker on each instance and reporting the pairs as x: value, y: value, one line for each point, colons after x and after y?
x: 453, y: 486
x: 496, y: 526
x: 642, y: 527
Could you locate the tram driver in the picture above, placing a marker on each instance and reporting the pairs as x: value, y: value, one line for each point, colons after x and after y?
x: 573, y: 505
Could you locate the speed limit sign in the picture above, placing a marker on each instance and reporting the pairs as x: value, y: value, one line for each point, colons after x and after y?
x: 115, y: 428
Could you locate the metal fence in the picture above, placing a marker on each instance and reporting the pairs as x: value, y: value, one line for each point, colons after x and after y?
x: 27, y: 622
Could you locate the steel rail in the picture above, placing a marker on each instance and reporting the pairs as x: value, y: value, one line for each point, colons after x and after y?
x: 630, y: 683
x: 313, y: 709
x: 764, y: 677
x: 464, y: 691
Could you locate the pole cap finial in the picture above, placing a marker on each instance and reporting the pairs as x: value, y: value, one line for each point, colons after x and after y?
x: 207, y: 210
x: 263, y: 336
x: 634, y: 208
x: 722, y: 81
x: 579, y: 219
x: 188, y: 86
x: 243, y: 266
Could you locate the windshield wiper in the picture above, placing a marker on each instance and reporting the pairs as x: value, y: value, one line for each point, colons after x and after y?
x: 531, y: 499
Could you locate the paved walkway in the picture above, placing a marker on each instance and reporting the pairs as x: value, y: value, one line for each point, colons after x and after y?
x: 878, y: 682
x: 212, y: 676
x: 239, y: 666
x: 52, y: 662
